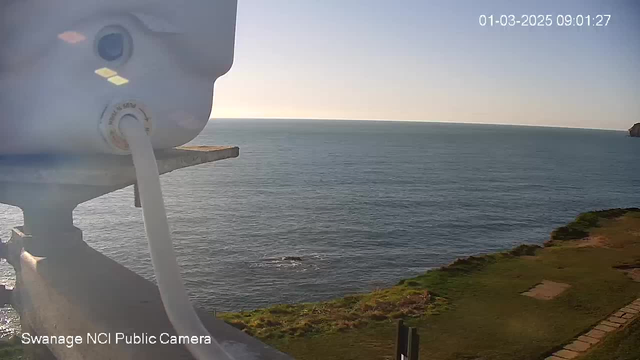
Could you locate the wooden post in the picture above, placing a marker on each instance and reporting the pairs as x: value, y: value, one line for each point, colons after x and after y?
x: 407, y: 343
x: 413, y: 344
x: 401, y: 340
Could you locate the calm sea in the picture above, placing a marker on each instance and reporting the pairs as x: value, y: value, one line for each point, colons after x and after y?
x: 363, y: 203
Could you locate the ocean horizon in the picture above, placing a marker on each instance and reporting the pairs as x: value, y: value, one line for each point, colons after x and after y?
x: 418, y: 121
x: 317, y: 209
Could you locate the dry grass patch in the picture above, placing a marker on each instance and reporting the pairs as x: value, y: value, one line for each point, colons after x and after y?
x: 350, y: 312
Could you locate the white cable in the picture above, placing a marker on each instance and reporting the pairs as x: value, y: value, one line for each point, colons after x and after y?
x: 172, y: 290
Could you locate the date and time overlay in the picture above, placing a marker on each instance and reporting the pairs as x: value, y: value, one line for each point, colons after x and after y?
x: 511, y: 20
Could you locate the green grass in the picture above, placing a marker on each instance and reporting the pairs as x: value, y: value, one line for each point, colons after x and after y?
x: 350, y: 312
x: 472, y: 308
x: 580, y: 227
x: 11, y: 349
x: 475, y: 310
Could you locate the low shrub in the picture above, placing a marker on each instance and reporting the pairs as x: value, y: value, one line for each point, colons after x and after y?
x: 579, y: 228
x: 524, y: 249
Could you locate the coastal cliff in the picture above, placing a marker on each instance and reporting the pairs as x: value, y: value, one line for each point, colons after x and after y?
x: 454, y: 307
x: 507, y: 294
x: 635, y: 130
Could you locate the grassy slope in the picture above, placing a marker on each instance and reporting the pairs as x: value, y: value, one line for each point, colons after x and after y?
x: 11, y: 353
x: 472, y: 309
x: 476, y: 312
x: 11, y: 349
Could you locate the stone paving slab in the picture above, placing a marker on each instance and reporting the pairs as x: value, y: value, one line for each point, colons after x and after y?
x: 609, y: 323
x: 546, y: 290
x: 597, y: 334
x: 566, y: 354
x: 583, y: 343
x: 617, y: 320
x: 578, y: 346
x: 604, y: 328
x: 588, y: 339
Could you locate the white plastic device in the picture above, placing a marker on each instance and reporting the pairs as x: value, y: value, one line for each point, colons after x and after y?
x: 118, y: 77
x: 67, y: 66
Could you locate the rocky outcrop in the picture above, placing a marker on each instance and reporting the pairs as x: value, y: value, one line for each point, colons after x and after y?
x: 292, y: 258
x: 635, y: 130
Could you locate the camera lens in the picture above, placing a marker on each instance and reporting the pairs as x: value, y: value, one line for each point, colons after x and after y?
x: 114, y: 45
x: 111, y: 46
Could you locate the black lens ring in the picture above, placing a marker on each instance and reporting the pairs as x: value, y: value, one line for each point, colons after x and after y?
x: 113, y: 44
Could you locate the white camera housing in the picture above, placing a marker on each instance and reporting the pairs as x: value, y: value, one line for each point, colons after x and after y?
x: 66, y: 66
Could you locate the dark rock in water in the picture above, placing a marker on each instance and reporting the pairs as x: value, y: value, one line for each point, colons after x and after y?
x: 292, y: 258
x: 635, y: 130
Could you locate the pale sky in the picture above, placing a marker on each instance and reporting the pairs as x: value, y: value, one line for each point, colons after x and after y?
x: 428, y: 60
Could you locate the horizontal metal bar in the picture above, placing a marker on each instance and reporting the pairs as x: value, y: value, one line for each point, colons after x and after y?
x: 102, y: 170
x: 76, y: 291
